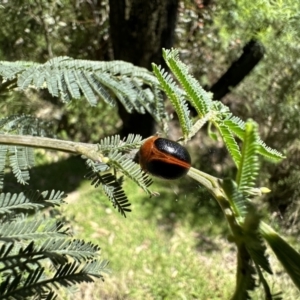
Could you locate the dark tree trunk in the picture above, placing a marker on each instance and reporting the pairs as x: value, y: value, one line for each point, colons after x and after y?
x: 253, y: 52
x: 139, y: 30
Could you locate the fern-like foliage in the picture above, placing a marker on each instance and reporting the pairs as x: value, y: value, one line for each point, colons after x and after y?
x: 245, y: 277
x: 115, y: 143
x: 22, y: 228
x: 237, y: 126
x: 67, y: 78
x: 26, y: 125
x: 212, y: 111
x: 29, y: 200
x: 252, y: 257
x: 116, y: 152
x: 113, y: 190
x: 230, y: 143
x: 37, y: 282
x: 200, y: 99
x: 20, y: 159
x: 130, y: 169
x: 248, y: 166
x: 238, y: 202
x: 176, y: 97
x: 58, y: 250
x: 249, y: 232
x: 38, y: 254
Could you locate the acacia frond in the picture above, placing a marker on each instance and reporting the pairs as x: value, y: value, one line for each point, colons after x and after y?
x: 176, y: 97
x: 113, y: 190
x: 31, y: 229
x: 96, y: 166
x: 248, y: 166
x: 115, y: 143
x: 26, y: 125
x: 14, y: 257
x: 198, y: 97
x: 20, y: 159
x: 37, y: 281
x: 257, y: 250
x: 29, y: 200
x: 77, y: 249
x: 238, y: 201
x: 269, y: 153
x: 237, y: 126
x: 130, y: 169
x: 112, y: 186
x: 160, y: 110
x: 69, y: 78
x: 249, y: 239
x: 230, y: 143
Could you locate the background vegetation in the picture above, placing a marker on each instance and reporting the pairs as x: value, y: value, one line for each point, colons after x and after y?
x: 171, y: 246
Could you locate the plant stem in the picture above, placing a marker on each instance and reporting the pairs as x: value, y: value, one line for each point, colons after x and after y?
x: 213, y: 184
x: 89, y: 150
x: 244, y: 271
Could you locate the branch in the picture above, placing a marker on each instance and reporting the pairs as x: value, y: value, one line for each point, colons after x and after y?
x: 89, y: 150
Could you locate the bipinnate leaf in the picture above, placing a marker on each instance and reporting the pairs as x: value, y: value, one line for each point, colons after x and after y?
x: 176, y: 97
x: 248, y: 166
x: 196, y: 95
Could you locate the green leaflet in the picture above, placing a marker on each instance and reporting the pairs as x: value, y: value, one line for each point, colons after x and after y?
x: 269, y: 153
x: 248, y: 166
x: 69, y: 79
x: 113, y: 148
x: 113, y: 190
x: 115, y: 143
x: 29, y: 200
x: 27, y: 229
x: 130, y: 169
x: 37, y: 282
x: 237, y: 200
x: 199, y: 98
x: 230, y: 143
x: 21, y: 159
x: 176, y: 97
x: 58, y: 250
x: 237, y: 126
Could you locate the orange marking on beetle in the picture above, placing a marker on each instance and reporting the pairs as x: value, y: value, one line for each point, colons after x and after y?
x: 164, y: 158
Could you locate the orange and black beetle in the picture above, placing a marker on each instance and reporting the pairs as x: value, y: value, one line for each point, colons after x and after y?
x: 164, y: 158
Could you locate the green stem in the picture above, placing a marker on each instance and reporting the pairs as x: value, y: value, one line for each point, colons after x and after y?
x: 88, y: 150
x: 214, y: 186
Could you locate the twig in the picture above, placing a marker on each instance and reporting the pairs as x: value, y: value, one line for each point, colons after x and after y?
x: 89, y: 150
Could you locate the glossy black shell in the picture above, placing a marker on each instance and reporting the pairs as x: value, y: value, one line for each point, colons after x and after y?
x: 170, y: 169
x: 173, y: 148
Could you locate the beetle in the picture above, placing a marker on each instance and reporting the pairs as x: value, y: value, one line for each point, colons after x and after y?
x: 164, y: 158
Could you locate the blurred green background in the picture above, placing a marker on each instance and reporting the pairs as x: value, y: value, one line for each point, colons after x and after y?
x: 172, y: 246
